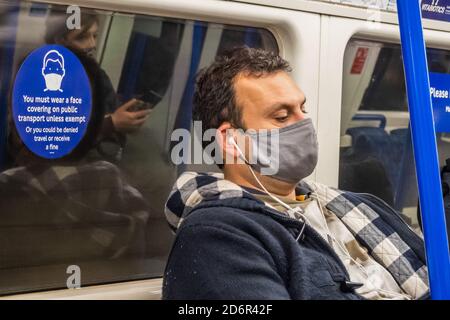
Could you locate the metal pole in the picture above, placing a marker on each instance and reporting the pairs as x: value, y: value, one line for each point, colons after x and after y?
x: 425, y: 149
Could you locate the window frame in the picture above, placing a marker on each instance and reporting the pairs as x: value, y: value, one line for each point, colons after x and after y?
x: 336, y: 34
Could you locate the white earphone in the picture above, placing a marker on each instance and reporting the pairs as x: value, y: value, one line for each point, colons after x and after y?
x: 263, y: 160
x: 241, y: 154
x: 297, y: 210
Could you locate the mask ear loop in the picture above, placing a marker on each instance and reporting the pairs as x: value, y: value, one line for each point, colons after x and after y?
x: 297, y: 211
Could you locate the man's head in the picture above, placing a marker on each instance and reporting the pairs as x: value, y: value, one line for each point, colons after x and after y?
x: 83, y: 39
x: 248, y: 89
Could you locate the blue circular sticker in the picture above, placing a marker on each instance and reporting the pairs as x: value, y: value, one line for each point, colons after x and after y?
x: 51, y: 101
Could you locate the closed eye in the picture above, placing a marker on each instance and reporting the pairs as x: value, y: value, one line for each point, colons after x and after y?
x: 282, y: 119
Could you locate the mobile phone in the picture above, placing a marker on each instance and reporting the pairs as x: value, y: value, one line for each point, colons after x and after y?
x: 151, y: 97
x: 146, y: 101
x: 141, y: 105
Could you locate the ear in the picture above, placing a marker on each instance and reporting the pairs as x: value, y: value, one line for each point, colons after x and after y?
x: 229, y: 152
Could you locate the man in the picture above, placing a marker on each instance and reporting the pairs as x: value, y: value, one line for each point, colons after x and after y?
x: 249, y: 235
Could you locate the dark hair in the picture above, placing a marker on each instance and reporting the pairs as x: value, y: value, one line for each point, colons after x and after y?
x: 56, y: 28
x: 214, y: 96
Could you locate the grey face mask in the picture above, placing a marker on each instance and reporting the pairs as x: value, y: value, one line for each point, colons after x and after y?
x: 288, y: 154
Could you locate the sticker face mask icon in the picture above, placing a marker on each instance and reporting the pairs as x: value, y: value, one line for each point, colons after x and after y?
x: 53, y: 70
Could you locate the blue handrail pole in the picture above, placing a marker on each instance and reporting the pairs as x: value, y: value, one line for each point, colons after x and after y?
x: 425, y: 149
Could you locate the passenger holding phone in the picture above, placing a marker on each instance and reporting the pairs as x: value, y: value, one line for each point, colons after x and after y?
x: 131, y: 115
x: 119, y: 119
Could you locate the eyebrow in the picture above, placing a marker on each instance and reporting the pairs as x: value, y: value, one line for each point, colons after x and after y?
x: 280, y: 106
x: 84, y: 31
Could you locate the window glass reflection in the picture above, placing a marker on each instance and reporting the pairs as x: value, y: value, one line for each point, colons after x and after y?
x: 100, y: 207
x: 376, y: 149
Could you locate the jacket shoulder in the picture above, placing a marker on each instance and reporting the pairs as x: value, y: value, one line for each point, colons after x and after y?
x: 232, y: 218
x: 211, y: 245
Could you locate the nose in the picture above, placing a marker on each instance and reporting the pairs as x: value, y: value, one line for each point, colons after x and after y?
x: 92, y: 42
x: 299, y: 115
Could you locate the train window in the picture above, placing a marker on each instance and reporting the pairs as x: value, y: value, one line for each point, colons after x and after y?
x: 376, y: 153
x: 95, y: 215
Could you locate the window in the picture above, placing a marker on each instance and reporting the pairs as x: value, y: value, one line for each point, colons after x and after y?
x: 376, y: 150
x: 101, y: 207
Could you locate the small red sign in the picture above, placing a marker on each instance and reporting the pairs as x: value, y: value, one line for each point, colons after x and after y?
x: 360, y: 60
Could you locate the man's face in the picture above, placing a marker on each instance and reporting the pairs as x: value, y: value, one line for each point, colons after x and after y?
x: 269, y: 102
x: 83, y: 39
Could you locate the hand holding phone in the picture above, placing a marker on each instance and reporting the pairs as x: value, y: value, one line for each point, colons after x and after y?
x: 146, y: 101
x: 128, y: 117
x: 140, y: 105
